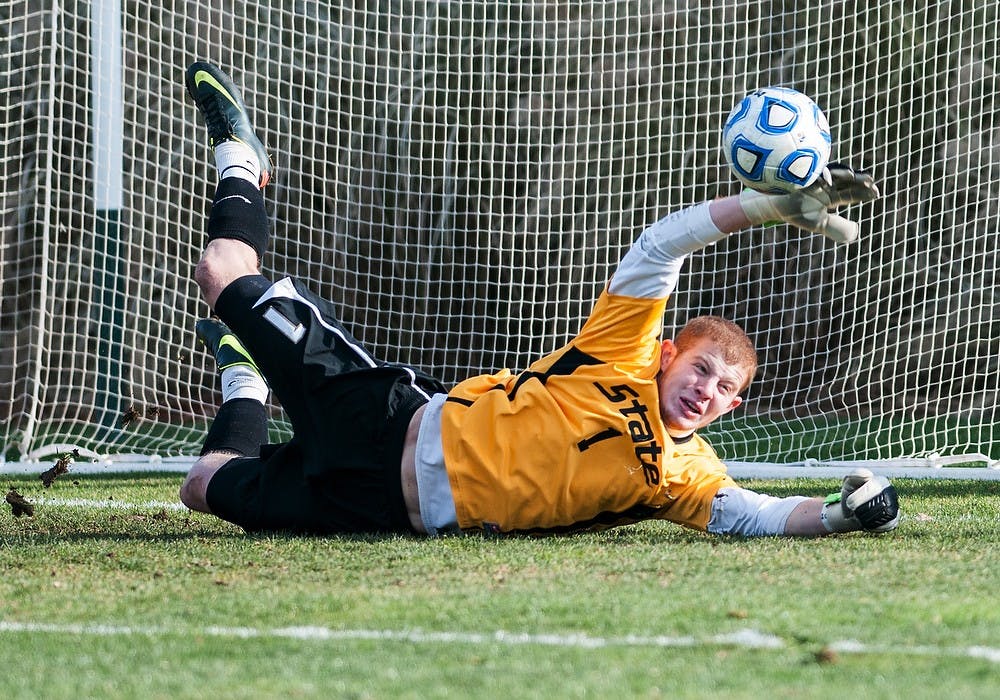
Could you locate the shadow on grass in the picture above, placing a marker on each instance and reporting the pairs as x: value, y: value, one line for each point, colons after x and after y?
x: 46, y: 538
x: 26, y: 538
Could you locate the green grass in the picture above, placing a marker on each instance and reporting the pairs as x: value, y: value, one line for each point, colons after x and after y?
x: 198, y: 606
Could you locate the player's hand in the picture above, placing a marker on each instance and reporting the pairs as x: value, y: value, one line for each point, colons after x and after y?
x: 865, y: 502
x: 814, y: 208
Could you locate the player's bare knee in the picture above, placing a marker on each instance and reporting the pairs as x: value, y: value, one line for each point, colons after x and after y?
x: 212, y: 274
x: 206, y: 278
x: 223, y: 261
x: 195, y: 487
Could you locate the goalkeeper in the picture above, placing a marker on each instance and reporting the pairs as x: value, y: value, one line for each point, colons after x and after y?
x: 600, y: 433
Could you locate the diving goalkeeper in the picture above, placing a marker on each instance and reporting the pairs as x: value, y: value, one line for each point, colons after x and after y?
x: 600, y: 433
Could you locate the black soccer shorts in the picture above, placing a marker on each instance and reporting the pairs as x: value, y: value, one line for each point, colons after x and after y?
x: 340, y: 472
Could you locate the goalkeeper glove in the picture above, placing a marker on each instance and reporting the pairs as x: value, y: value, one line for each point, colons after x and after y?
x: 812, y: 208
x: 865, y: 502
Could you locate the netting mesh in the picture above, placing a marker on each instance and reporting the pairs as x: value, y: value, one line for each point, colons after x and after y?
x: 461, y: 178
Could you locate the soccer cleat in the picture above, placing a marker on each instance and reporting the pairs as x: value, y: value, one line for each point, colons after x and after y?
x: 224, y: 112
x: 227, y: 348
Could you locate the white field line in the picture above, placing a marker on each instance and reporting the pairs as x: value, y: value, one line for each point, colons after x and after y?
x: 109, y: 504
x: 851, y: 646
x: 745, y: 639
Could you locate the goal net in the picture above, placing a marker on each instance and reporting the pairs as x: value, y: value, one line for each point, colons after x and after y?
x: 461, y: 177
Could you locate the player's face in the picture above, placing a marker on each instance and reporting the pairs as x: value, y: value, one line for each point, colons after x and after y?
x: 696, y: 386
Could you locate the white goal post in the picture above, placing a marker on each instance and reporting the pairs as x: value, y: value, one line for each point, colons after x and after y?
x: 461, y: 177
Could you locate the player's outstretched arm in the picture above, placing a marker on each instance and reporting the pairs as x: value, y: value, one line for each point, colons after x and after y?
x: 814, y: 208
x: 651, y: 266
x: 864, y: 502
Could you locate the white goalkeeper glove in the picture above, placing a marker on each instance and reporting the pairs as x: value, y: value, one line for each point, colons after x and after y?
x: 865, y: 502
x: 812, y: 208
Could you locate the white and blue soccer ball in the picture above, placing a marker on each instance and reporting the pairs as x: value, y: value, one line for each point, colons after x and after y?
x: 776, y: 140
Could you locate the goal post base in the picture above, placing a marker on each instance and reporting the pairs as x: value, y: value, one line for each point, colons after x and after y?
x: 836, y: 470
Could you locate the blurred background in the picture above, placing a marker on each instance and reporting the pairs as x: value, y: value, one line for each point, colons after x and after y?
x: 461, y: 178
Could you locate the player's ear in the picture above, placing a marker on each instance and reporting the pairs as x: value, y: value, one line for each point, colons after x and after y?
x: 668, y: 352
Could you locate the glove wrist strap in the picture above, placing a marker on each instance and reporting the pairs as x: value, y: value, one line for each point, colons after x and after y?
x: 759, y: 207
x: 833, y: 518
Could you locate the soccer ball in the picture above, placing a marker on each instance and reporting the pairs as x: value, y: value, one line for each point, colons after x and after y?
x: 776, y: 140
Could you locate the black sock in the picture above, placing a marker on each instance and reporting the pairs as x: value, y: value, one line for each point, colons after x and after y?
x: 240, y: 426
x: 238, y: 212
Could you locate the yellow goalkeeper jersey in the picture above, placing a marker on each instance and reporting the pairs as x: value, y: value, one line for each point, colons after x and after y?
x: 575, y: 442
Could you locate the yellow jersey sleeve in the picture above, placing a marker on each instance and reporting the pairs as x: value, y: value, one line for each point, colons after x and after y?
x: 695, y: 475
x: 624, y: 330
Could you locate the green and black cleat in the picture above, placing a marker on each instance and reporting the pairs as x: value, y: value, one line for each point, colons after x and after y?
x: 227, y: 348
x: 224, y: 112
